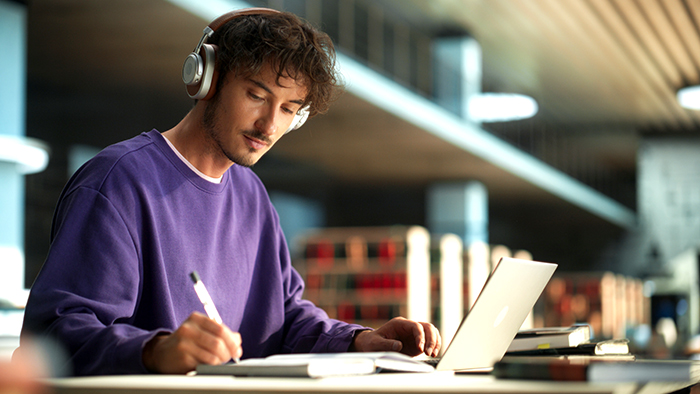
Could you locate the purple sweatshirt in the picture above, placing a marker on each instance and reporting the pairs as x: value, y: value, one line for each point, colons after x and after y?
x: 131, y: 225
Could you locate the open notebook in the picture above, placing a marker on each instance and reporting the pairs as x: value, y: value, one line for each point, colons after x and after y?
x: 319, y: 365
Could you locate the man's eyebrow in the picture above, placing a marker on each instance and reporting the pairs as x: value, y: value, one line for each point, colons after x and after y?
x: 264, y: 87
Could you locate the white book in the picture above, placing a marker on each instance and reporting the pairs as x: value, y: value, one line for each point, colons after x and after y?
x: 550, y: 337
x: 319, y: 365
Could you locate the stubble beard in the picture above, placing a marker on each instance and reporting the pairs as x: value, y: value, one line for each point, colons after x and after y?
x: 214, y: 135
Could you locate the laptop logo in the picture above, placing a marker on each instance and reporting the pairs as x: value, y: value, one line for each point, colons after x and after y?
x: 501, y: 316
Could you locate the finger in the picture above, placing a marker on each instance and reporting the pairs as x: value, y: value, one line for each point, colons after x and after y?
x: 211, y: 337
x: 419, y: 335
x: 432, y: 339
x: 193, y: 354
x: 394, y: 345
x: 231, y: 340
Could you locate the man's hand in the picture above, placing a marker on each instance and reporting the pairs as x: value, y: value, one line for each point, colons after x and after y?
x: 401, y: 335
x: 199, y: 340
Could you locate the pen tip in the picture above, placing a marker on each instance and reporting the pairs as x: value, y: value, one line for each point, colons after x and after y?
x: 195, y: 276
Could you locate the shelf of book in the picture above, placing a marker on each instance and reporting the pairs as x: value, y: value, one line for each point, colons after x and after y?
x: 611, y: 303
x: 368, y: 275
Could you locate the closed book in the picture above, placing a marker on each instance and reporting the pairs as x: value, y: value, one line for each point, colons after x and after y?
x: 550, y: 337
x: 319, y: 365
x: 597, y: 370
x: 602, y: 348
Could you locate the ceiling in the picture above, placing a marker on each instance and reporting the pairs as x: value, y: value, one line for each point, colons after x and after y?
x: 604, y: 73
x: 604, y: 62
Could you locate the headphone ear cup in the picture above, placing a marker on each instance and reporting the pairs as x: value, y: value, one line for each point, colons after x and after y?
x: 192, y: 69
x: 299, y: 119
x: 201, y: 88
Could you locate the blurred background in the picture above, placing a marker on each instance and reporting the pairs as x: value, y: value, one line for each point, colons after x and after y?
x: 549, y: 128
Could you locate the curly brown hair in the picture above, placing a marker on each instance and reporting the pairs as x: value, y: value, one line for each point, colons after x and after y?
x: 289, y: 44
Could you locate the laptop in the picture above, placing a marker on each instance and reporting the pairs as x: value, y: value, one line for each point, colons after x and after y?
x: 499, y: 311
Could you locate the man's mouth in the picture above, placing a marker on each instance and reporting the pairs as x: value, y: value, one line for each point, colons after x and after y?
x: 256, y: 143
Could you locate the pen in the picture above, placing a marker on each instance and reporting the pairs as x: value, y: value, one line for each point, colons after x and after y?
x: 206, y: 300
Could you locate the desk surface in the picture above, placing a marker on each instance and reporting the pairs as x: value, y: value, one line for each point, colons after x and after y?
x: 438, y: 382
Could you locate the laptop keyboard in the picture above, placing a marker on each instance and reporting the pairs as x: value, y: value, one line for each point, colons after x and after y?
x: 431, y: 361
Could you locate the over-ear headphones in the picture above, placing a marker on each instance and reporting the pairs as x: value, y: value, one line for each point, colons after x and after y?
x: 199, y: 68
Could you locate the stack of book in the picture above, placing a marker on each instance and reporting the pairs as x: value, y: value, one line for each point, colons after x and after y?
x: 569, y: 353
x: 597, y: 369
x: 567, y: 341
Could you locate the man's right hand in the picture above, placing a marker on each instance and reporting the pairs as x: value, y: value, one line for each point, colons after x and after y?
x: 199, y: 340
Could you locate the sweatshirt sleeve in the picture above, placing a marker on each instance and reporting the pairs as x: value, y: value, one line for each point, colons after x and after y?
x: 88, y: 288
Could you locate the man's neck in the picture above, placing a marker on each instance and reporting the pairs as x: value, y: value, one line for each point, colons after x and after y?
x: 190, y: 139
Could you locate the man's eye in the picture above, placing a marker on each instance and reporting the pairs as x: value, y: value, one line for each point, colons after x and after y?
x: 254, y: 96
x: 288, y: 111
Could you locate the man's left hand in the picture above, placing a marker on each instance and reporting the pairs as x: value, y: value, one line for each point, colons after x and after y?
x: 401, y: 335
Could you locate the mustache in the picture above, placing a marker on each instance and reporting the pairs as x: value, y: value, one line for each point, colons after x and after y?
x: 258, y: 136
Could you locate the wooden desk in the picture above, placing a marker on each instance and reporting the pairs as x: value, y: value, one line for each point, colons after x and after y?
x: 417, y: 383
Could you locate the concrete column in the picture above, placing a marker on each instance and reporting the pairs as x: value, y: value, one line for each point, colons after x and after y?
x: 459, y: 208
x: 12, y: 113
x: 458, y: 74
x: 18, y: 154
x: 462, y: 209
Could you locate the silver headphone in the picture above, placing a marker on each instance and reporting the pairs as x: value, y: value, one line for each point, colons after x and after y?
x: 200, y: 65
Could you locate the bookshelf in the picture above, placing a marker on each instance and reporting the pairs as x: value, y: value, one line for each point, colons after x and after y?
x: 368, y: 275
x: 611, y: 303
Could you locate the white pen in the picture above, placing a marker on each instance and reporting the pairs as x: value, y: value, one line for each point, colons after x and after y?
x: 206, y: 300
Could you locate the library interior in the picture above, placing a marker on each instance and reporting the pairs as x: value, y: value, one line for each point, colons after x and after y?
x: 467, y: 131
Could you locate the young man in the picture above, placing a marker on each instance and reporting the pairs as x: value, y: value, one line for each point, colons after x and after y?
x: 137, y: 219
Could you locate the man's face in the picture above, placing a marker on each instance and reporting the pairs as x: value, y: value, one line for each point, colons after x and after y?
x: 250, y: 114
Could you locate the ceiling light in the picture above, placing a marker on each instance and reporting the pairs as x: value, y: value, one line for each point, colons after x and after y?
x: 30, y: 155
x: 500, y: 107
x: 689, y: 97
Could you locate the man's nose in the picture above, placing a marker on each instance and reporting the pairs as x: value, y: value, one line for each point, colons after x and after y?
x: 267, y: 122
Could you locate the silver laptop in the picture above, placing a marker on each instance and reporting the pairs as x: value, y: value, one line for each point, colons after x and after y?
x: 496, y: 316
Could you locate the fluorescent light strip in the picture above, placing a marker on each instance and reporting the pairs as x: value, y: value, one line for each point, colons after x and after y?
x: 689, y: 97
x: 501, y: 107
x: 209, y: 9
